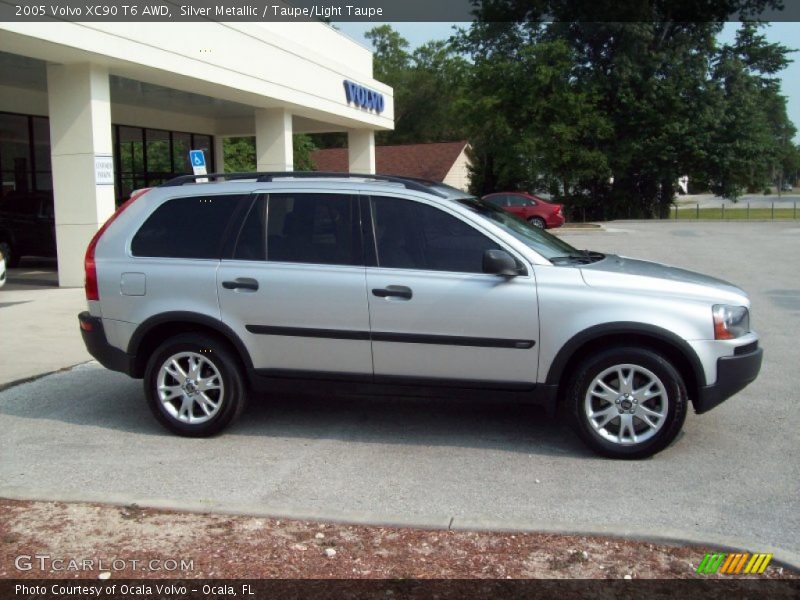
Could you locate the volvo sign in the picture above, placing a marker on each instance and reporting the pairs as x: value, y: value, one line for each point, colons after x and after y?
x: 363, y: 97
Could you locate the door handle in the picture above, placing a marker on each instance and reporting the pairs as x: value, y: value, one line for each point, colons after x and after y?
x: 395, y: 291
x: 241, y: 283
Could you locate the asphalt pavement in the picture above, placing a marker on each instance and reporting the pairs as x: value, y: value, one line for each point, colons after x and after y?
x: 732, y: 477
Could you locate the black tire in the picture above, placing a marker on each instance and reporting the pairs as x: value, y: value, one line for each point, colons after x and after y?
x: 672, y: 403
x: 12, y: 258
x: 230, y: 402
x: 538, y: 222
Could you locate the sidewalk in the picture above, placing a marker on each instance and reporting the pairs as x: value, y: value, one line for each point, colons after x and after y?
x: 38, y: 326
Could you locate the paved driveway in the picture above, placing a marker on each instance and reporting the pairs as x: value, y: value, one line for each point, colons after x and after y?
x: 732, y: 475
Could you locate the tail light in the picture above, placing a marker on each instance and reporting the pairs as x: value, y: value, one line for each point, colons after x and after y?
x: 558, y: 209
x: 89, y: 265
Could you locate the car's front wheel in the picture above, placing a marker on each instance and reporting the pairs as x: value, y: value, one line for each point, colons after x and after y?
x: 194, y: 385
x: 627, y: 402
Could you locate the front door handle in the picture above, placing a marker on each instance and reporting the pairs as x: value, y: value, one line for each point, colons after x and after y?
x: 394, y: 291
x: 241, y: 283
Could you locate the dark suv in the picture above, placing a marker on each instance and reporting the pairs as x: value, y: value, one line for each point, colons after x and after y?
x: 27, y: 226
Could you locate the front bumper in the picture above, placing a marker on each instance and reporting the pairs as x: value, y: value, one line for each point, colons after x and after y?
x: 94, y: 337
x: 734, y: 373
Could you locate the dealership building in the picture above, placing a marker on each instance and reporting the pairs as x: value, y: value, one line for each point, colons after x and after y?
x: 91, y: 111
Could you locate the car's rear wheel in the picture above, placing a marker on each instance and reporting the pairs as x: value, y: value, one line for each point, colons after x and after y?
x: 194, y: 385
x: 538, y: 222
x: 627, y: 402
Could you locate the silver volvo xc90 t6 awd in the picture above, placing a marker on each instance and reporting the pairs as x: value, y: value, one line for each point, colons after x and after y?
x: 308, y: 281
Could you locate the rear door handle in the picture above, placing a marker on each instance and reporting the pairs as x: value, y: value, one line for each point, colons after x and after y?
x: 241, y: 283
x: 394, y: 291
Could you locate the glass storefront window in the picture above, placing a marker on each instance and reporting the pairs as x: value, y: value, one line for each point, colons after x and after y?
x: 44, y: 181
x: 130, y: 145
x: 159, y: 160
x: 143, y: 157
x: 181, y: 144
x: 41, y: 143
x: 43, y: 175
x: 15, y: 153
x: 148, y: 157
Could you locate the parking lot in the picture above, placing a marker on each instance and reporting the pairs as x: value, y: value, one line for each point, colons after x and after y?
x: 732, y: 476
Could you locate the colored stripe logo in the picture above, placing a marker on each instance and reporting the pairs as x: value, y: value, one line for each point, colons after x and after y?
x: 734, y: 564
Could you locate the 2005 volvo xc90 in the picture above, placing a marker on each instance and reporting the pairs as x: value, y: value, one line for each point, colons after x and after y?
x: 288, y: 281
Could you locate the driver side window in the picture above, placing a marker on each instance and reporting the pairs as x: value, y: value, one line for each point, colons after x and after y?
x: 413, y: 235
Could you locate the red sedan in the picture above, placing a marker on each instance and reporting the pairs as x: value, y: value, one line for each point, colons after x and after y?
x: 526, y: 206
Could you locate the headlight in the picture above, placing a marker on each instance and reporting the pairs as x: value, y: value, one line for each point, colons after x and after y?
x: 730, y: 322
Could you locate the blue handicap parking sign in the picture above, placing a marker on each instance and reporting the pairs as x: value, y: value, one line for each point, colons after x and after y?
x: 197, y: 158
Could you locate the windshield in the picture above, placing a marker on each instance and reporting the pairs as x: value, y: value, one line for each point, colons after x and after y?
x: 544, y: 243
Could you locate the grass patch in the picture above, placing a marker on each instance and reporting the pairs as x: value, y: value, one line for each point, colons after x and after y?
x: 739, y: 213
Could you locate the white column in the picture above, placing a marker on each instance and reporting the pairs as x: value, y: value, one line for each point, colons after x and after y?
x: 219, y: 154
x: 80, y: 129
x: 274, y: 147
x: 361, y: 150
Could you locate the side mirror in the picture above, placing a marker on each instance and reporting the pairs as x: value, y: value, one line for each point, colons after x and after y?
x: 499, y: 262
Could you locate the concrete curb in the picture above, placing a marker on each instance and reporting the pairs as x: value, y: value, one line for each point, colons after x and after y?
x: 782, y: 556
x: 582, y: 225
x: 594, y: 228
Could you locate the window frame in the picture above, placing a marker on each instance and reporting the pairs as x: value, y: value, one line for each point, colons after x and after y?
x: 243, y: 201
x: 357, y: 227
x: 525, y: 269
x: 524, y: 201
x: 237, y: 227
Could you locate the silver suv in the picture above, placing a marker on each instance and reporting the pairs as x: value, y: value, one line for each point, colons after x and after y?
x: 273, y: 282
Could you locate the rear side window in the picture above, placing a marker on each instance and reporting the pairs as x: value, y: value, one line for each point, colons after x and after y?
x: 412, y: 235
x: 191, y: 227
x: 313, y: 228
x: 497, y: 200
x: 521, y: 201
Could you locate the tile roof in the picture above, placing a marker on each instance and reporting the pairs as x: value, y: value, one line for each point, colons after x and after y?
x: 427, y: 161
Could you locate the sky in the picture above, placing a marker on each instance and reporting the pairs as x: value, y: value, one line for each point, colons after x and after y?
x: 787, y: 34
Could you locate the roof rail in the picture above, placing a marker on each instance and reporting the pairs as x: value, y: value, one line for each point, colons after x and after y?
x: 410, y: 183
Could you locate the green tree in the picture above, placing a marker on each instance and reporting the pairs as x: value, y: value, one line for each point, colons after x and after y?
x: 428, y: 87
x: 531, y: 123
x: 240, y: 153
x: 751, y: 135
x: 390, y: 59
x: 303, y: 149
x: 623, y: 106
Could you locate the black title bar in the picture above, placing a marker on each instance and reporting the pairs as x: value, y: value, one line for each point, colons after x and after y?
x: 409, y: 589
x: 394, y: 10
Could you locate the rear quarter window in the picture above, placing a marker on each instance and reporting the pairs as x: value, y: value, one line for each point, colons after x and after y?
x: 191, y: 227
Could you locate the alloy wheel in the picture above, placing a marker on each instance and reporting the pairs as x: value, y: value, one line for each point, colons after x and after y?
x: 190, y: 388
x: 626, y: 404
